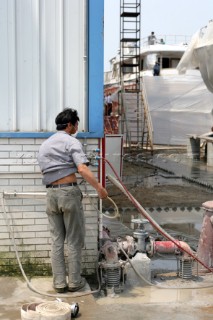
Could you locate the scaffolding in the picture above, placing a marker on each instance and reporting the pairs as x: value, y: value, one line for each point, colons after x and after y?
x: 130, y: 12
x: 134, y: 123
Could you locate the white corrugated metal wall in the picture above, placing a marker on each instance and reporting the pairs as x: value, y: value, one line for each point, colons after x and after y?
x: 43, y: 64
x: 43, y: 68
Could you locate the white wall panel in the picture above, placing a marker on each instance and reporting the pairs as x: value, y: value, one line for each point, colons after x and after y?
x: 42, y: 61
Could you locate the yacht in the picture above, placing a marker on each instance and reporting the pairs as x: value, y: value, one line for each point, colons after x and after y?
x: 157, y: 110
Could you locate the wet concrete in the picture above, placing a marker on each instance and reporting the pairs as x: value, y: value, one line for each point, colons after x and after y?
x: 133, y: 303
x: 178, y: 299
x: 182, y: 223
x: 170, y: 297
x: 181, y: 165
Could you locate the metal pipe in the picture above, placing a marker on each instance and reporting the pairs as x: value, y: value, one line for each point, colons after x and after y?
x: 85, y: 63
x: 61, y: 53
x: 24, y: 194
x: 38, y: 194
x: 171, y: 247
x: 37, y: 83
x: 145, y: 214
x: 101, y: 168
x: 12, y: 43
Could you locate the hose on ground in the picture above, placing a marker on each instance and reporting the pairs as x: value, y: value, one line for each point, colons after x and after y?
x: 10, y: 230
x: 145, y: 214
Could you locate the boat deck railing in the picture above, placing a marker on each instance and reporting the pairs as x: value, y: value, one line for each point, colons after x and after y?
x: 168, y: 39
x: 172, y: 40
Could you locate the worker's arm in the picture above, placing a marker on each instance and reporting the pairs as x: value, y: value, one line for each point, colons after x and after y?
x: 85, y: 172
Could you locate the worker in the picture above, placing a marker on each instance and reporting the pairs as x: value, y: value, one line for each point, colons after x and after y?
x: 152, y: 38
x: 60, y: 157
x: 109, y: 104
x: 105, y: 104
x: 156, y: 69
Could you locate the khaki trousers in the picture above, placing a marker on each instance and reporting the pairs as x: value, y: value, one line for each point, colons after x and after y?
x: 66, y: 220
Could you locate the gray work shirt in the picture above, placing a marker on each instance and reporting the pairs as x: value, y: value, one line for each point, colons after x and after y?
x: 59, y: 156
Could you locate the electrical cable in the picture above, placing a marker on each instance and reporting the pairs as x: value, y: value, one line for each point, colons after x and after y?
x: 10, y: 230
x: 23, y: 272
x: 141, y: 210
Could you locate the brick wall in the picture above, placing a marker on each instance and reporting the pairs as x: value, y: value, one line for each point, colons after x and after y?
x: 19, y: 173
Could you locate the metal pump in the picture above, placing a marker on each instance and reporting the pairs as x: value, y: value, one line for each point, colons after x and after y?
x: 115, y: 255
x: 141, y: 234
x: 111, y: 268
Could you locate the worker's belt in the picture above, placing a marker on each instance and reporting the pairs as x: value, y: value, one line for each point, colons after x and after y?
x: 61, y: 185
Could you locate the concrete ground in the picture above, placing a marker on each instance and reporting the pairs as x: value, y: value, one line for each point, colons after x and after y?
x: 133, y: 303
x: 180, y: 300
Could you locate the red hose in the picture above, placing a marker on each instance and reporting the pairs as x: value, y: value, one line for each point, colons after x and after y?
x: 152, y: 222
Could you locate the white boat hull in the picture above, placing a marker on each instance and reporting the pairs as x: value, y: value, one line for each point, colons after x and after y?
x: 179, y: 105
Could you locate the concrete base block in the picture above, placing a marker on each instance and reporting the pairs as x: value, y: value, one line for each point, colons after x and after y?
x: 143, y: 266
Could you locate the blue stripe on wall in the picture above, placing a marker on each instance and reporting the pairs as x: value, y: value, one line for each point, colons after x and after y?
x: 95, y: 78
x: 45, y: 135
x: 95, y: 66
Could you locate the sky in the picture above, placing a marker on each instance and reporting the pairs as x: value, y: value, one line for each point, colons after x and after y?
x: 165, y: 17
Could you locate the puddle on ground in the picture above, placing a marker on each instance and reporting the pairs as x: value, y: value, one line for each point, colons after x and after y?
x: 183, y: 223
x: 162, y: 180
x: 192, y: 296
x: 183, y: 166
x: 178, y: 222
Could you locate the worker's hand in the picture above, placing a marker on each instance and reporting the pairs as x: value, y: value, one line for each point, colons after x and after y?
x: 85, y: 172
x: 102, y: 193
